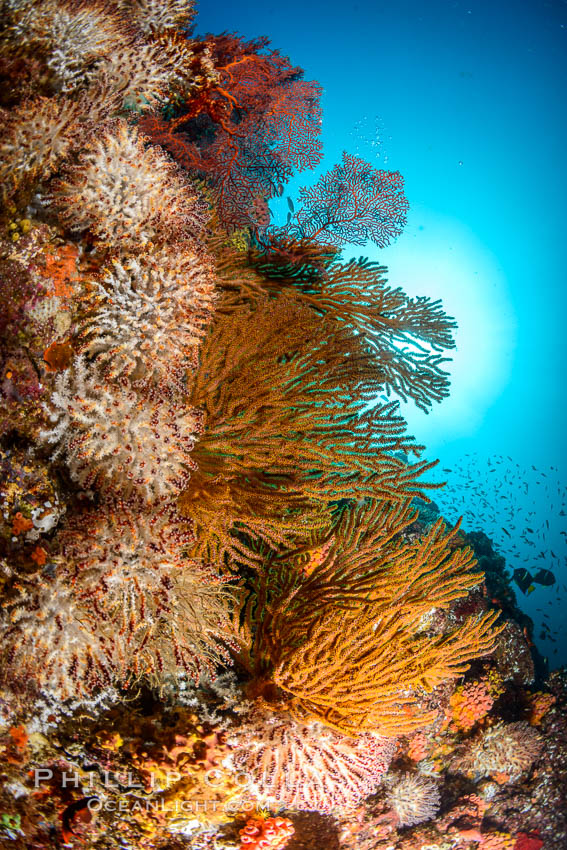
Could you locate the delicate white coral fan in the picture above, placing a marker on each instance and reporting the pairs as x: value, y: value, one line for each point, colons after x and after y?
x: 149, y: 315
x: 308, y: 766
x: 112, y: 438
x: 128, y: 194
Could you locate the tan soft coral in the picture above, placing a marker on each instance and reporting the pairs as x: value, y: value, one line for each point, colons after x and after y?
x: 148, y: 314
x: 72, y: 36
x: 112, y: 438
x: 36, y: 137
x: 153, y: 16
x: 128, y: 194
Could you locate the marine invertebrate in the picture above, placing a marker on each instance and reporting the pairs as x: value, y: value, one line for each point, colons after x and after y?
x: 469, y: 704
x: 418, y: 746
x: 265, y: 833
x: 350, y: 644
x: 153, y: 16
x: 539, y: 703
x: 37, y: 135
x: 504, y: 750
x: 144, y: 73
x: 127, y: 194
x: 413, y: 798
x: 148, y: 314
x: 30, y: 501
x: 124, y: 604
x: 112, y: 438
x: 43, y: 641
x: 129, y: 572
x: 282, y: 439
x: 266, y: 123
x: 72, y: 36
x: 307, y: 766
x: 408, y: 336
x: 352, y: 202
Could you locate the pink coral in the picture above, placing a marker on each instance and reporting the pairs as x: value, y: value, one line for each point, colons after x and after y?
x: 260, y: 834
x: 469, y: 704
x: 307, y: 765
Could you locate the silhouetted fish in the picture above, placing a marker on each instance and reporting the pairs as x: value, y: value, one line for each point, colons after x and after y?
x: 544, y: 577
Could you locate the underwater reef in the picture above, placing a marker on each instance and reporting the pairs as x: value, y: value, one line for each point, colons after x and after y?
x: 230, y: 614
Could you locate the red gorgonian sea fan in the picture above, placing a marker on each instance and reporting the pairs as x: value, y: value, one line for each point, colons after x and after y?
x: 247, y: 131
x: 353, y: 202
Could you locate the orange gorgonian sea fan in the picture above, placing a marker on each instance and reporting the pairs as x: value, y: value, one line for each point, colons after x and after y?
x: 147, y: 316
x: 351, y: 644
x: 111, y: 437
x: 128, y: 194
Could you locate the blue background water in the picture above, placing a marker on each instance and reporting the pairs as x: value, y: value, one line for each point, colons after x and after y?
x: 466, y: 99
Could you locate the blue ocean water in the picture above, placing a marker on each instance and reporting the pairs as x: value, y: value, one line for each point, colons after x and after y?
x: 466, y: 100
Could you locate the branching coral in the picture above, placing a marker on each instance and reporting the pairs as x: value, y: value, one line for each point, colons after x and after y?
x: 351, y: 203
x: 286, y: 423
x: 407, y: 335
x: 307, y: 765
x: 110, y: 437
x: 264, y: 122
x: 148, y: 316
x: 128, y: 194
x: 350, y: 643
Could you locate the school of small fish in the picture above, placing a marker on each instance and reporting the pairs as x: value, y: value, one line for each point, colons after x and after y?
x: 524, y: 511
